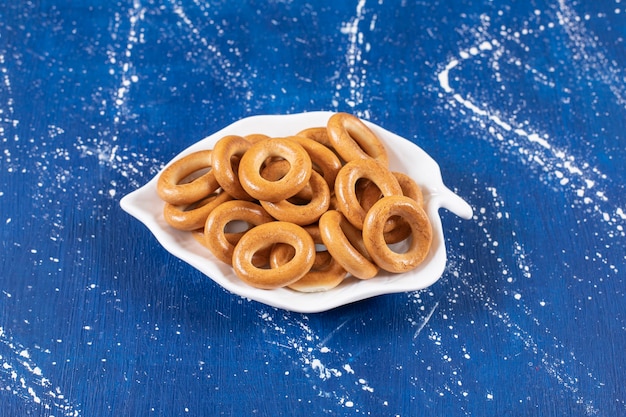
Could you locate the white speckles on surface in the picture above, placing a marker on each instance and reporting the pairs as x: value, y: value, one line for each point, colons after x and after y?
x: 315, y: 358
x: 356, y: 78
x: 23, y: 378
x: 568, y: 171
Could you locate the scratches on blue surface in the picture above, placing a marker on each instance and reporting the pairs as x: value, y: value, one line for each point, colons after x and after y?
x: 425, y: 321
x: 332, y: 333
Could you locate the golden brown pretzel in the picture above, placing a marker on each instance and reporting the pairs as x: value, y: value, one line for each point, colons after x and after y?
x: 346, y: 182
x: 373, y: 233
x: 172, y: 189
x: 215, y: 237
x: 302, y: 214
x: 294, y: 180
x: 344, y: 242
x: 226, y: 155
x: 263, y: 236
x: 192, y: 216
x: 352, y: 139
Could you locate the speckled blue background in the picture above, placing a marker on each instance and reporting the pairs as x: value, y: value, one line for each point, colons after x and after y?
x: 523, y: 104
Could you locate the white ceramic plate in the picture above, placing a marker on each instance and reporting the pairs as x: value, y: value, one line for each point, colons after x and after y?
x: 145, y: 205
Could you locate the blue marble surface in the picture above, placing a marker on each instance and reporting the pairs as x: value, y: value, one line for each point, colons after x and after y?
x: 523, y: 104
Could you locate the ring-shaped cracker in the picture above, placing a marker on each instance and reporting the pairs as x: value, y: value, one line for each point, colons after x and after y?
x: 346, y: 183
x: 409, y: 187
x: 318, y: 134
x: 260, y: 259
x: 344, y: 242
x: 374, y: 237
x: 226, y: 153
x: 396, y: 230
x: 255, y: 137
x: 268, y: 234
x: 276, y: 169
x: 352, y: 139
x: 215, y: 236
x: 325, y: 274
x: 170, y: 187
x: 294, y: 180
x: 302, y: 214
x: 324, y: 160
x: 193, y: 216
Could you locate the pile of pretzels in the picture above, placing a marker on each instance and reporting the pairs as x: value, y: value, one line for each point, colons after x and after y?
x: 315, y: 207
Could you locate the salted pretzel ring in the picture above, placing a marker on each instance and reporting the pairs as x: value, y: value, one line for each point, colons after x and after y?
x: 263, y: 236
x: 225, y: 152
x: 346, y: 182
x: 344, y: 242
x: 172, y: 189
x: 193, y: 216
x: 295, y: 179
x: 352, y: 139
x: 374, y: 239
x: 325, y: 274
x: 215, y: 237
x: 302, y: 214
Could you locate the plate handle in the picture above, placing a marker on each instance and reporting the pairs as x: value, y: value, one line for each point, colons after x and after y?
x: 452, y: 202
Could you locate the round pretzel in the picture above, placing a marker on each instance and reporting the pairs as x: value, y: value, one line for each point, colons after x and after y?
x: 225, y: 152
x: 215, y: 236
x: 192, y: 216
x: 374, y: 237
x: 263, y: 236
x: 344, y: 242
x: 325, y: 274
x: 352, y: 139
x: 172, y: 189
x: 302, y: 214
x: 346, y: 182
x: 294, y: 180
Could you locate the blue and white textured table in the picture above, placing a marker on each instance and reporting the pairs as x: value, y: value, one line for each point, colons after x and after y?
x: 523, y: 104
